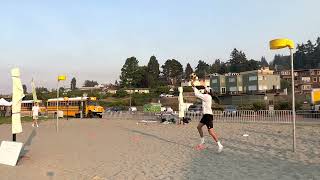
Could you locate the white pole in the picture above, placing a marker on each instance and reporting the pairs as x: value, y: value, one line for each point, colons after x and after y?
x: 57, y: 125
x: 293, y: 103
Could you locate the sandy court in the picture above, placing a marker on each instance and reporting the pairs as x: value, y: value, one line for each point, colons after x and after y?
x: 123, y: 149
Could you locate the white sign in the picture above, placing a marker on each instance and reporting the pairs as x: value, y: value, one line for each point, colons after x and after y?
x: 271, y: 107
x: 9, y: 152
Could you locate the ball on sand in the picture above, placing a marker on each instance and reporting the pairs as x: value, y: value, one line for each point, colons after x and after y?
x: 193, y: 76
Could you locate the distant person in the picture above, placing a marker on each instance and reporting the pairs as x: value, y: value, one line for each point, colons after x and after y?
x: 207, y: 118
x: 35, y: 114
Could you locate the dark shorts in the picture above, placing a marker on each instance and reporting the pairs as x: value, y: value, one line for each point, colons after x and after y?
x: 207, y: 119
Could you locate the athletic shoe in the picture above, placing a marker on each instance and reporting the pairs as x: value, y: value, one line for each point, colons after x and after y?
x: 220, y: 148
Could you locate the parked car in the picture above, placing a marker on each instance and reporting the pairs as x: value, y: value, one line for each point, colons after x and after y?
x: 115, y: 109
x: 133, y: 109
x: 163, y: 109
x: 195, y: 108
x: 166, y: 95
x: 230, y: 111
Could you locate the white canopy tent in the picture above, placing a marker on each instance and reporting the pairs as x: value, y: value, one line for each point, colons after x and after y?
x: 4, y: 102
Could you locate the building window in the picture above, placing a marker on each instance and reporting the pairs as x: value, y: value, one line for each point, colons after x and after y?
x: 252, y: 88
x: 252, y: 78
x: 315, y: 79
x: 232, y: 80
x: 305, y: 79
x: 306, y: 87
x: 234, y: 88
x: 240, y: 88
x: 214, y: 81
x: 261, y: 88
x: 223, y: 90
x: 318, y: 72
x: 260, y: 78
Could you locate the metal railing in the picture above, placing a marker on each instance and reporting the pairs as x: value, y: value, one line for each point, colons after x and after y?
x: 275, y: 116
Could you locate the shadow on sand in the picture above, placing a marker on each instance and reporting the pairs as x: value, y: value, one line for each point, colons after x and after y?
x: 27, y: 144
x: 156, y: 137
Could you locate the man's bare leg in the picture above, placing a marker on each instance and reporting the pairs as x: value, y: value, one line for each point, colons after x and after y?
x: 199, y: 127
x: 213, y: 135
x: 215, y: 138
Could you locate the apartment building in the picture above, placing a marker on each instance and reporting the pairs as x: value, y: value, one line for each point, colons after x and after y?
x: 305, y: 80
x: 260, y: 80
x: 218, y: 83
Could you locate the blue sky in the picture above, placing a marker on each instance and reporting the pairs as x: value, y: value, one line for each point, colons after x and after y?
x: 92, y: 39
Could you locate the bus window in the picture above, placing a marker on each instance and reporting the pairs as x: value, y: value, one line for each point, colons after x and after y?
x: 92, y: 103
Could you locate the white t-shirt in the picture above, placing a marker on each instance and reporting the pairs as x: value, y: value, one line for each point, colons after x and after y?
x: 206, y: 101
x: 35, y: 110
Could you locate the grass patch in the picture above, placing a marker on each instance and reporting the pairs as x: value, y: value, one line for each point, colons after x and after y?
x: 7, y: 120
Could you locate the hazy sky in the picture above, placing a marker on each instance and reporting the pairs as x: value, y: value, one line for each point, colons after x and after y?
x: 92, y: 39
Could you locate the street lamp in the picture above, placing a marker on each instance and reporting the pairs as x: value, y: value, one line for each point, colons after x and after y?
x: 280, y: 44
x: 60, y: 78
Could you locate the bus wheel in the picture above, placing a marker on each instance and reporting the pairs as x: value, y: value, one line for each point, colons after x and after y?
x: 90, y: 115
x: 100, y: 115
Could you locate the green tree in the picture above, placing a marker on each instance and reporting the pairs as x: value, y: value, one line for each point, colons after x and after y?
x: 41, y: 90
x: 24, y: 87
x: 252, y: 65
x: 121, y: 93
x: 153, y: 72
x: 131, y: 72
x: 237, y: 61
x: 116, y: 83
x: 284, y: 84
x: 306, y: 56
x: 281, y: 62
x: 223, y: 68
x: 264, y: 62
x: 188, y: 71
x: 90, y: 83
x: 202, y: 69
x: 172, y: 71
x: 142, y: 76
x: 73, y: 84
x: 215, y: 67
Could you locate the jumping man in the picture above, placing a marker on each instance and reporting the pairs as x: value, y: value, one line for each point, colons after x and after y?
x: 207, y: 118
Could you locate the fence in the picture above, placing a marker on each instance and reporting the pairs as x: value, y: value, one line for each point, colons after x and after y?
x: 276, y: 116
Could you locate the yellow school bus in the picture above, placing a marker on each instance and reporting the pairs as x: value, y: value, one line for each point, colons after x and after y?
x: 75, y: 107
x: 26, y: 107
